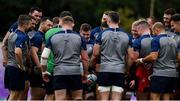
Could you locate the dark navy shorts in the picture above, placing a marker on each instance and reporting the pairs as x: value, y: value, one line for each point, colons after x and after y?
x: 14, y: 78
x: 110, y: 79
x: 49, y: 86
x: 36, y: 79
x: 68, y: 82
x: 160, y: 84
x: 98, y: 60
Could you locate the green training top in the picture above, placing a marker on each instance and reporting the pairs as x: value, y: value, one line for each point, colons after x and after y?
x: 49, y: 33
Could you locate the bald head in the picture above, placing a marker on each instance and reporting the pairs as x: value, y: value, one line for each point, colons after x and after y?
x: 158, y: 25
x: 158, y: 28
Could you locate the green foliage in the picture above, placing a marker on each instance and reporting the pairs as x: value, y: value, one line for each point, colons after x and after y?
x: 126, y: 18
x: 89, y: 11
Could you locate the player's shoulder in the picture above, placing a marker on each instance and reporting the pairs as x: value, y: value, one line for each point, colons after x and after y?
x: 53, y: 29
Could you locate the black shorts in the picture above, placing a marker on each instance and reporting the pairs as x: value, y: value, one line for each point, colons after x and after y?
x: 98, y: 60
x: 49, y: 86
x: 36, y: 79
x: 14, y: 78
x: 178, y: 80
x: 110, y: 79
x: 68, y: 82
x: 26, y: 76
x: 160, y: 84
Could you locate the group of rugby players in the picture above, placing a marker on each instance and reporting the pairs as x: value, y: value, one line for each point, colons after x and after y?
x: 47, y: 57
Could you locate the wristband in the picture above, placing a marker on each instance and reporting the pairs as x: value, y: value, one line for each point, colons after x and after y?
x: 20, y: 67
x: 141, y: 60
x: 46, y: 72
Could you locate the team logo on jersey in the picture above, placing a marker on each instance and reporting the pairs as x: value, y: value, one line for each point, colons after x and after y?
x: 21, y: 45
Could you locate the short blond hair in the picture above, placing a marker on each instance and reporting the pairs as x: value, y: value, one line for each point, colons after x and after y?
x: 67, y: 20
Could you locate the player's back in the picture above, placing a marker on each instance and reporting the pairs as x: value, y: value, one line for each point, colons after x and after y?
x: 66, y: 46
